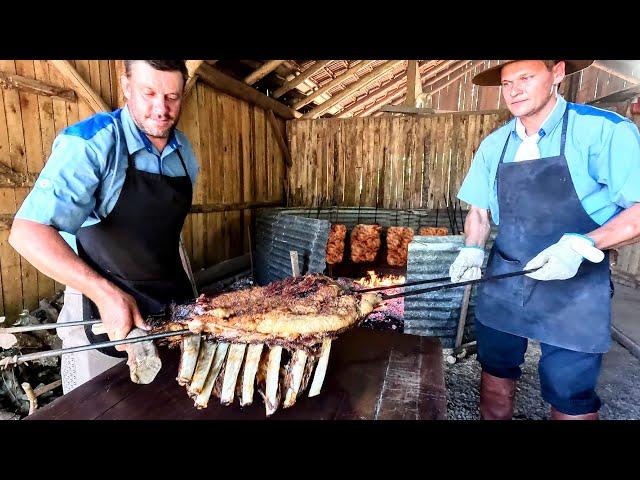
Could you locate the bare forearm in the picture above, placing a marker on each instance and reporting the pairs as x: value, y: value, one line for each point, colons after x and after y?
x: 623, y: 229
x: 477, y: 227
x: 43, y: 247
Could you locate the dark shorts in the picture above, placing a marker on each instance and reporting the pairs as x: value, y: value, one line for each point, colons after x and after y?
x: 567, y: 378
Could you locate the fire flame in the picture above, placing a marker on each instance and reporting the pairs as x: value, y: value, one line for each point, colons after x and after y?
x: 373, y: 280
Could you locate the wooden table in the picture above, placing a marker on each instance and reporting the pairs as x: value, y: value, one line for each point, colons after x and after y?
x: 371, y: 375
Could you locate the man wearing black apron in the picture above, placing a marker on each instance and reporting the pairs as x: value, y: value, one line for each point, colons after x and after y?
x: 561, y: 180
x: 121, y: 184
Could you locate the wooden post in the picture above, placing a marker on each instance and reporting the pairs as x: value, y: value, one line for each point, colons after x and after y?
x: 295, y: 266
x: 280, y: 138
x: 414, y: 85
x: 463, y: 316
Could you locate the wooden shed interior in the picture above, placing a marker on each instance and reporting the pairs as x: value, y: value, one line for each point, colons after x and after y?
x: 386, y: 133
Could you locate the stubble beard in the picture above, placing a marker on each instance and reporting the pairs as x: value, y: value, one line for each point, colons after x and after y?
x: 155, y: 133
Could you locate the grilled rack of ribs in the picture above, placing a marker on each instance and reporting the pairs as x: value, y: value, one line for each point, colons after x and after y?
x: 244, y: 337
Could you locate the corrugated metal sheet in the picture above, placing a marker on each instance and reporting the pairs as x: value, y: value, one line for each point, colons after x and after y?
x: 277, y: 233
x: 350, y: 216
x: 436, y: 313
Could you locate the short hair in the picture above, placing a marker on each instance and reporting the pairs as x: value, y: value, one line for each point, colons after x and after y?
x: 550, y: 63
x: 163, y: 65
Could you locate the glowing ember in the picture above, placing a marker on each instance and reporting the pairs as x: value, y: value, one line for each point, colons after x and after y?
x: 373, y: 280
x: 389, y: 314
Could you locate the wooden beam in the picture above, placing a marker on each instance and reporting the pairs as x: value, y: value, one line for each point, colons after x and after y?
x: 617, y: 97
x: 262, y: 72
x: 280, y: 138
x: 414, y: 83
x: 353, y: 88
x: 455, y: 77
x: 431, y: 112
x: 226, y: 207
x: 376, y: 106
x: 446, y: 73
x: 430, y: 68
x: 192, y: 68
x: 189, y: 86
x: 611, y: 71
x: 346, y: 75
x: 397, y: 95
x: 293, y: 83
x: 81, y: 87
x: 30, y: 85
x: 429, y: 72
x: 407, y: 109
x: 236, y: 88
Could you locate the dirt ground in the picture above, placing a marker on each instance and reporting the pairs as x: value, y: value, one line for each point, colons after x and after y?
x: 619, y: 387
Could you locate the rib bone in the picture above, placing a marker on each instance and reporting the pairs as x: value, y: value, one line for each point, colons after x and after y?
x: 188, y: 359
x: 294, y: 374
x: 271, y: 399
x: 234, y: 363
x: 205, y: 357
x: 321, y: 369
x: 203, y: 399
x: 254, y: 352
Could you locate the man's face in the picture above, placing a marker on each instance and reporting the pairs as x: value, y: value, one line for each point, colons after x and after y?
x: 154, y: 98
x: 527, y: 85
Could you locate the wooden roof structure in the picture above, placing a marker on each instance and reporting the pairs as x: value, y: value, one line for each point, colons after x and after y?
x: 359, y: 88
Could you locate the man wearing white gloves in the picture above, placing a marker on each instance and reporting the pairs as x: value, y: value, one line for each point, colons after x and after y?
x: 562, y: 182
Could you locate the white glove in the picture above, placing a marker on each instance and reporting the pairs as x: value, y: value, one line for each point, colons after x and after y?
x: 562, y: 260
x: 467, y: 264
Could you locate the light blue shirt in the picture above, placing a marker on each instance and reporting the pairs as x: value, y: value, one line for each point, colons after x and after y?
x: 82, y: 179
x: 602, y: 152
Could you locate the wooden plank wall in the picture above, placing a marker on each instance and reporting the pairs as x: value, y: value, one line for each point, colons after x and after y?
x: 28, y: 125
x: 240, y: 161
x: 234, y: 142
x: 388, y: 161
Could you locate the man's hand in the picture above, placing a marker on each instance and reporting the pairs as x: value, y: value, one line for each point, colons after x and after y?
x: 562, y: 260
x: 119, y: 314
x: 467, y: 264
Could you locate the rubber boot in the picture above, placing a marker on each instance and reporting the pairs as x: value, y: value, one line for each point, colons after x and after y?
x: 497, y: 397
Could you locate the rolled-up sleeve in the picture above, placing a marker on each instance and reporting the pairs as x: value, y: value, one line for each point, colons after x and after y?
x: 475, y: 188
x: 619, y: 165
x: 64, y: 193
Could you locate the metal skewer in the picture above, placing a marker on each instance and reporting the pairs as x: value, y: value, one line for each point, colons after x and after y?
x: 457, y: 284
x: 46, y: 326
x: 400, y: 285
x: 18, y: 359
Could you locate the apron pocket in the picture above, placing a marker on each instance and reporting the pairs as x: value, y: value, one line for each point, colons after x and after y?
x: 508, y: 290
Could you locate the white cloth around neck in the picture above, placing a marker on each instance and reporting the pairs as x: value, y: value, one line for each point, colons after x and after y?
x: 528, y: 149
